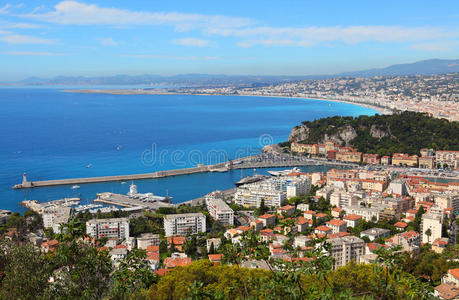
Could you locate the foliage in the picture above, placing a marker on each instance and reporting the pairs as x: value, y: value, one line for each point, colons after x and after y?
x: 25, y: 271
x: 404, y: 132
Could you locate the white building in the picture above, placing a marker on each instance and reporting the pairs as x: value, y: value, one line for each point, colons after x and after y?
x: 55, y: 216
x: 368, y: 213
x: 218, y: 209
x: 432, y: 220
x: 183, y: 224
x: 110, y: 228
x: 298, y: 185
x: 270, y: 190
x: 346, y: 248
x: 374, y: 233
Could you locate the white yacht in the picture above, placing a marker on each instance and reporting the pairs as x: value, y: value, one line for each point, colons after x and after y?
x: 284, y: 172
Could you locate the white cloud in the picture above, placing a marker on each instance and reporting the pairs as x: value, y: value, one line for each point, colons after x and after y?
x: 77, y: 13
x: 432, y: 47
x: 159, y: 56
x: 193, y: 42
x: 33, y: 53
x: 24, y: 39
x: 107, y: 42
x: 309, y: 36
x: 5, y: 9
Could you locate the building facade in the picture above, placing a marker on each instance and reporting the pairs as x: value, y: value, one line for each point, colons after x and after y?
x: 183, y: 224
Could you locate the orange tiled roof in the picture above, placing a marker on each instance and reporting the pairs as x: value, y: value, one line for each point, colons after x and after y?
x: 353, y: 217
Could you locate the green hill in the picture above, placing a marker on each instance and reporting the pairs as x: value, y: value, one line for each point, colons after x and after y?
x: 404, y: 132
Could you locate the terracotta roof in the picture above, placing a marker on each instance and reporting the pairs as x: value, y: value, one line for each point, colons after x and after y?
x: 336, y: 222
x: 400, y: 224
x: 215, y: 257
x: 176, y: 240
x: 321, y: 215
x: 172, y: 262
x: 310, y: 212
x: 120, y: 246
x: 375, y: 246
x: 353, y: 217
x: 323, y: 228
x: 266, y: 216
x: 337, y: 235
x: 286, y: 207
x: 454, y: 272
x: 447, y: 291
x: 152, y: 248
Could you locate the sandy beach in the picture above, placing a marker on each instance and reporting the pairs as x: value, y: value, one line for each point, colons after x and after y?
x: 379, y: 109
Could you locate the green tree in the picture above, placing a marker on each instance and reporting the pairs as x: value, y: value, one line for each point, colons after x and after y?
x: 418, y: 219
x: 25, y: 271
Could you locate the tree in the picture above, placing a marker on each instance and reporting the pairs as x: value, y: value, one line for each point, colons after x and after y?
x: 212, y: 248
x: 428, y: 233
x: 418, y: 219
x: 133, y: 275
x: 25, y: 271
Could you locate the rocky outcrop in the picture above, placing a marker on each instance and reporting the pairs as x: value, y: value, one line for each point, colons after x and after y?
x: 377, y: 132
x: 342, y: 137
x: 298, y: 133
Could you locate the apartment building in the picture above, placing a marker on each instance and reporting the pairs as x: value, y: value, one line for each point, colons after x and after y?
x: 218, y: 209
x: 183, y: 224
x: 371, y: 159
x: 55, y: 216
x: 402, y: 159
x: 251, y: 195
x: 447, y: 158
x: 110, y: 228
x: 431, y: 224
x: 346, y: 248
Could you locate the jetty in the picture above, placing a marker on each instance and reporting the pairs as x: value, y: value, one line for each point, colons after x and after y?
x: 249, y: 162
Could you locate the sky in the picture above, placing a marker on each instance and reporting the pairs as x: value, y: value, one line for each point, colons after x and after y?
x: 102, y: 38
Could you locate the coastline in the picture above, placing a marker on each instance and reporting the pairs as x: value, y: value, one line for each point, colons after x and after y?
x: 380, y: 110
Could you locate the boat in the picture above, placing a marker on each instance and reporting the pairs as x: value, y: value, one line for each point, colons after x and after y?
x: 284, y: 172
x: 249, y: 179
x: 118, y: 148
x: 123, y: 182
x: 75, y: 187
x: 89, y: 166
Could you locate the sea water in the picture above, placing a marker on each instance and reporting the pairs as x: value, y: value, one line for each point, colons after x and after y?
x: 51, y: 134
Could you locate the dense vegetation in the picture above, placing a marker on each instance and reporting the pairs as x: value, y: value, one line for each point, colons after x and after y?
x: 77, y: 269
x: 404, y: 132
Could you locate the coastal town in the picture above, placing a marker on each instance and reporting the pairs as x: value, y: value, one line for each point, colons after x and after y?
x: 356, y: 211
x: 436, y: 94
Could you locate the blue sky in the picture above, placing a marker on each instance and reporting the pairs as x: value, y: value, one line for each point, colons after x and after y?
x: 97, y: 38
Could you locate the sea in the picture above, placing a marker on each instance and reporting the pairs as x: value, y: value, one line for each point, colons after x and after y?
x: 48, y: 133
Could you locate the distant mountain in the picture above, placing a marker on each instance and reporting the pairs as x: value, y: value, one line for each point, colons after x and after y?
x: 194, y: 80
x: 430, y: 66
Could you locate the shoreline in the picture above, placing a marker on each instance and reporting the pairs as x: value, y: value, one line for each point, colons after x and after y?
x: 380, y: 110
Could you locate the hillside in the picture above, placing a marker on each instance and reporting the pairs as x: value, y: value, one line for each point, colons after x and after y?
x: 405, y: 132
x: 430, y: 66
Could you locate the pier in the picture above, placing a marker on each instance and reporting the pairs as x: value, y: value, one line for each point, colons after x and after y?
x: 250, y: 162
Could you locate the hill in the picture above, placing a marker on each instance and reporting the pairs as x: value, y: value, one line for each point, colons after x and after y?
x: 404, y: 132
x: 430, y: 66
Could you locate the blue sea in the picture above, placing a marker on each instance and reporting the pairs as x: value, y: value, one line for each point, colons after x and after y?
x: 51, y: 134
